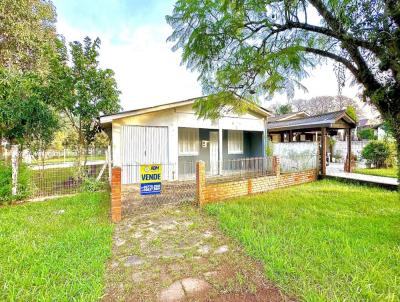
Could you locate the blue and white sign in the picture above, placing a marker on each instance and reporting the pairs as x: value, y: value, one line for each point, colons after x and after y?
x: 150, y: 179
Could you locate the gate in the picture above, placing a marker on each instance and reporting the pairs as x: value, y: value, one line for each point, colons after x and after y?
x: 172, y: 190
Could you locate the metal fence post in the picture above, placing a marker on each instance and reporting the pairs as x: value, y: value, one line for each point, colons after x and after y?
x: 14, y: 163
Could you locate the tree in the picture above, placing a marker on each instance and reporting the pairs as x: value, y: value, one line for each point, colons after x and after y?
x: 325, y: 104
x: 351, y: 111
x: 283, y: 109
x: 250, y: 48
x: 27, y: 33
x: 25, y: 118
x: 81, y: 90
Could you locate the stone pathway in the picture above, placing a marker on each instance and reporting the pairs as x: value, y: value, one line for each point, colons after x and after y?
x: 177, y: 253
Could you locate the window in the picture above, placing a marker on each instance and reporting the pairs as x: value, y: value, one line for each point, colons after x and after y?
x: 235, y: 142
x: 188, y: 141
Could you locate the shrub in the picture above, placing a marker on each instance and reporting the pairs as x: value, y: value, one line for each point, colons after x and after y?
x: 377, y: 153
x: 90, y: 184
x: 367, y: 133
x: 24, y: 182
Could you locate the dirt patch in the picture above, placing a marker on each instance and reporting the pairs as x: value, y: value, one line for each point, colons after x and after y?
x: 161, y: 251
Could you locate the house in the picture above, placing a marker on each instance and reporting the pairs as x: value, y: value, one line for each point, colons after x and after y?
x: 375, y: 124
x: 173, y: 135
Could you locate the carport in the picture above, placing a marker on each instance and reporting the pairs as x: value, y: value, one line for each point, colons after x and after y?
x: 315, y: 128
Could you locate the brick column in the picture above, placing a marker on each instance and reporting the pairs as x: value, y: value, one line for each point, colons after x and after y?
x: 200, y: 182
x: 116, y: 194
x: 250, y: 186
x: 276, y: 166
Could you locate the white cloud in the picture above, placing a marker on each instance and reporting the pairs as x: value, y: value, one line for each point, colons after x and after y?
x: 146, y: 70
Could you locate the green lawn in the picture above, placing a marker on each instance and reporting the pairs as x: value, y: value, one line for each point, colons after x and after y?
x: 73, y: 159
x: 388, y: 172
x: 47, y: 255
x: 323, y: 241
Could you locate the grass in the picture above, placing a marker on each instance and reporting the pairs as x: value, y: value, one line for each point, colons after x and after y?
x: 50, y: 255
x: 324, y: 241
x: 387, y: 172
x: 68, y: 159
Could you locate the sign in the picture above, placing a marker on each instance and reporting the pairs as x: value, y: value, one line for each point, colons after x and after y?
x: 150, y: 179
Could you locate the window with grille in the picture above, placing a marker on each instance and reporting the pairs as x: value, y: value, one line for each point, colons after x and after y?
x: 235, y: 142
x: 188, y: 141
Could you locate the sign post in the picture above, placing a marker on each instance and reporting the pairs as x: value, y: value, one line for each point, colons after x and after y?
x: 150, y: 179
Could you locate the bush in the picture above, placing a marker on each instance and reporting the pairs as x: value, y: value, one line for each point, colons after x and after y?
x: 24, y: 182
x: 367, y: 133
x: 90, y: 184
x: 377, y: 153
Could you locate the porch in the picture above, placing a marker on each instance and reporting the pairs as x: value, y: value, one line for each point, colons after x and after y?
x: 223, y: 151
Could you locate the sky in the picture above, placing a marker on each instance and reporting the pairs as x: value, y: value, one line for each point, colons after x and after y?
x: 148, y: 72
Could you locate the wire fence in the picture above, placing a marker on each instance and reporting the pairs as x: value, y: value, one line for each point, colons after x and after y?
x: 52, y: 181
x: 297, y: 163
x: 174, y: 188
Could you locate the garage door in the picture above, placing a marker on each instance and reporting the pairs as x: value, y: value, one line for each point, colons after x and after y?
x: 142, y: 145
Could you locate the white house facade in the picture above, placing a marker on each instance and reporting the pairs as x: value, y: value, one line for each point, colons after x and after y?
x: 173, y: 135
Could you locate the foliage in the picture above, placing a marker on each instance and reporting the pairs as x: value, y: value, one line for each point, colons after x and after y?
x: 377, y: 153
x: 24, y: 117
x: 366, y: 133
x: 82, y: 90
x: 24, y: 182
x: 324, y: 104
x: 386, y: 172
x: 55, y: 250
x: 283, y: 109
x: 27, y: 31
x: 90, y: 184
x: 351, y: 111
x: 256, y: 48
x: 312, y: 239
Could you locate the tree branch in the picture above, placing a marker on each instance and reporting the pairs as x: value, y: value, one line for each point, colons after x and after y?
x: 333, y: 56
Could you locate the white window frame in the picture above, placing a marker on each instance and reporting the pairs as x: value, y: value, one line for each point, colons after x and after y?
x: 235, y: 142
x: 188, y: 142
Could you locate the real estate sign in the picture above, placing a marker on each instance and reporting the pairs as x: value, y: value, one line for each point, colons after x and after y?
x: 150, y: 179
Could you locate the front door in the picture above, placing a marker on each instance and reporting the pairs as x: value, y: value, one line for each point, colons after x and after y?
x: 213, y: 152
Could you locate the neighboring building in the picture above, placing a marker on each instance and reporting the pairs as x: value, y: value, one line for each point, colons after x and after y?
x: 374, y: 124
x: 174, y: 136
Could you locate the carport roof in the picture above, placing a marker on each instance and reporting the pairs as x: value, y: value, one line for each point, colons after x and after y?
x: 328, y: 120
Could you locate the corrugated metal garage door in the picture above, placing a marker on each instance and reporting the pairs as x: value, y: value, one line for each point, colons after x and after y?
x: 142, y: 145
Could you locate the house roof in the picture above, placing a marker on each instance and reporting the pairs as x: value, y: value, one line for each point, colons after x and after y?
x: 288, y: 116
x: 104, y: 119
x: 316, y: 121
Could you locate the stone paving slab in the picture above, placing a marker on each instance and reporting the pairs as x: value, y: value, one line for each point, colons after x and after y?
x: 177, y: 253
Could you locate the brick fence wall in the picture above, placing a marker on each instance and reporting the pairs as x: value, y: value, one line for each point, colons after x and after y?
x: 212, y: 192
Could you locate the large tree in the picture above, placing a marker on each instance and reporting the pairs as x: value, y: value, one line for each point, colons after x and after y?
x: 253, y: 47
x: 324, y: 104
x: 27, y: 33
x: 81, y: 90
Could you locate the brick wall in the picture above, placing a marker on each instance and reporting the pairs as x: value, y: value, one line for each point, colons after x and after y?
x: 116, y: 210
x: 212, y: 192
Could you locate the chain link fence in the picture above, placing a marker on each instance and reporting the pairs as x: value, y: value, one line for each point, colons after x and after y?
x: 173, y: 189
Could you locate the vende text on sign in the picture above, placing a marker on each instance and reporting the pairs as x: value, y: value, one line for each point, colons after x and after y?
x: 150, y: 179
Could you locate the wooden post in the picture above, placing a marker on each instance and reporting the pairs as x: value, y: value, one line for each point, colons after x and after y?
x: 323, y: 153
x: 347, y: 167
x: 14, y: 163
x: 290, y: 136
x: 108, y: 158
